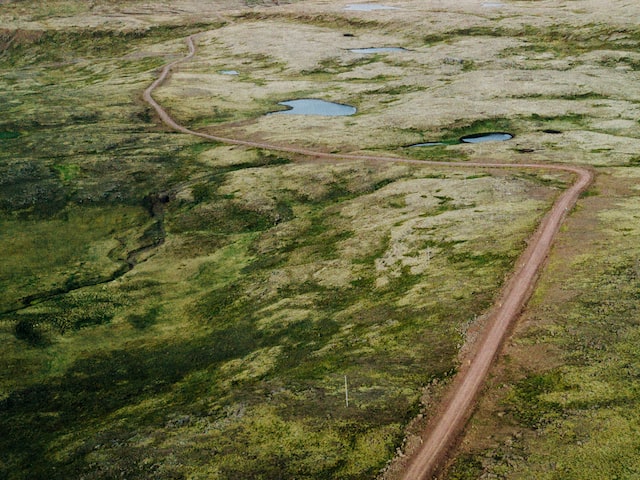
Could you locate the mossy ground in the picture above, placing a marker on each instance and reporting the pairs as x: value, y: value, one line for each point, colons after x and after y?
x: 180, y: 309
x: 563, y: 403
x: 229, y: 344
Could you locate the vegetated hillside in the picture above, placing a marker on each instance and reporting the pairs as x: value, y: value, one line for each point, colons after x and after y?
x: 178, y: 309
x: 562, y: 403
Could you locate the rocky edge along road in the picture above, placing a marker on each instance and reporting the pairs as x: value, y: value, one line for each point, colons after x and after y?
x: 445, y: 427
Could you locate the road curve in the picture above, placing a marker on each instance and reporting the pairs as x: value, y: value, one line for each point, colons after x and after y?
x: 447, y: 425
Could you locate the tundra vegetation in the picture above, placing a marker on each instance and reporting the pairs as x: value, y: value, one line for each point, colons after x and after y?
x: 173, y: 308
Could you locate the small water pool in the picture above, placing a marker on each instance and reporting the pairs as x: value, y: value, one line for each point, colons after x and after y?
x: 371, y: 50
x: 475, y: 138
x: 368, y: 7
x: 312, y: 106
x: 229, y: 72
x: 428, y: 144
x: 487, y: 137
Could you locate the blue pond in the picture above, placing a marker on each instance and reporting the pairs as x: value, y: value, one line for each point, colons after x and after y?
x: 368, y: 7
x: 228, y: 72
x: 475, y: 138
x: 311, y: 106
x: 487, y: 137
x: 377, y: 50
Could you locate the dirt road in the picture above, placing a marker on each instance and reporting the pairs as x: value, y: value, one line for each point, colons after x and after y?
x: 444, y: 429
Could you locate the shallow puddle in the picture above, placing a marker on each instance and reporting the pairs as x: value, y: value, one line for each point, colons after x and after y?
x: 377, y: 50
x: 487, y: 137
x: 229, y: 72
x: 427, y: 144
x: 311, y: 106
x: 367, y: 7
x: 475, y: 138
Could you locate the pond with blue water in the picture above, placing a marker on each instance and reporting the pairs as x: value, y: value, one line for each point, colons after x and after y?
x: 487, y: 137
x: 312, y: 106
x: 474, y: 138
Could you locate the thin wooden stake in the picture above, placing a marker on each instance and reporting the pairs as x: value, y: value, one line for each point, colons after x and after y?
x: 346, y: 391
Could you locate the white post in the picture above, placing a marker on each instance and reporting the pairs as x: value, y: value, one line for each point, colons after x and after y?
x: 346, y: 391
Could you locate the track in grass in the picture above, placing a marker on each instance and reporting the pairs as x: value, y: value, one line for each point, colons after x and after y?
x: 441, y: 434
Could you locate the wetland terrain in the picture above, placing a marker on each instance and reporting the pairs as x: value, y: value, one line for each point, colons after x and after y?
x: 175, y: 306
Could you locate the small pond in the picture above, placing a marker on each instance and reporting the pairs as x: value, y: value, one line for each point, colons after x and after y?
x: 229, y: 72
x: 428, y: 144
x: 367, y: 7
x: 312, y: 106
x: 377, y: 50
x: 487, y: 137
x: 475, y: 138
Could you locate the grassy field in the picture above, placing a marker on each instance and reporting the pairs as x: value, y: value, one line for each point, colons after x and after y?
x: 563, y: 402
x: 177, y: 309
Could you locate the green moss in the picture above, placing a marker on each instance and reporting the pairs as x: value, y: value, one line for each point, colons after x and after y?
x: 465, y: 468
x: 221, y: 353
x: 61, y: 45
x: 67, y: 172
x: 145, y: 320
x: 55, y: 255
x: 561, y: 39
x: 8, y: 135
x: 497, y: 124
x: 527, y: 401
x: 396, y: 90
x: 32, y: 332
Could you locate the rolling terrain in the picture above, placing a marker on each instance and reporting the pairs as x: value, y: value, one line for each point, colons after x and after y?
x: 182, y: 307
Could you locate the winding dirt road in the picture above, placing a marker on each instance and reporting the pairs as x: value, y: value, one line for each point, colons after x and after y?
x: 446, y: 426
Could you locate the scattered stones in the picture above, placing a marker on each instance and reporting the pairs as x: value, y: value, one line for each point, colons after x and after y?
x: 452, y: 61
